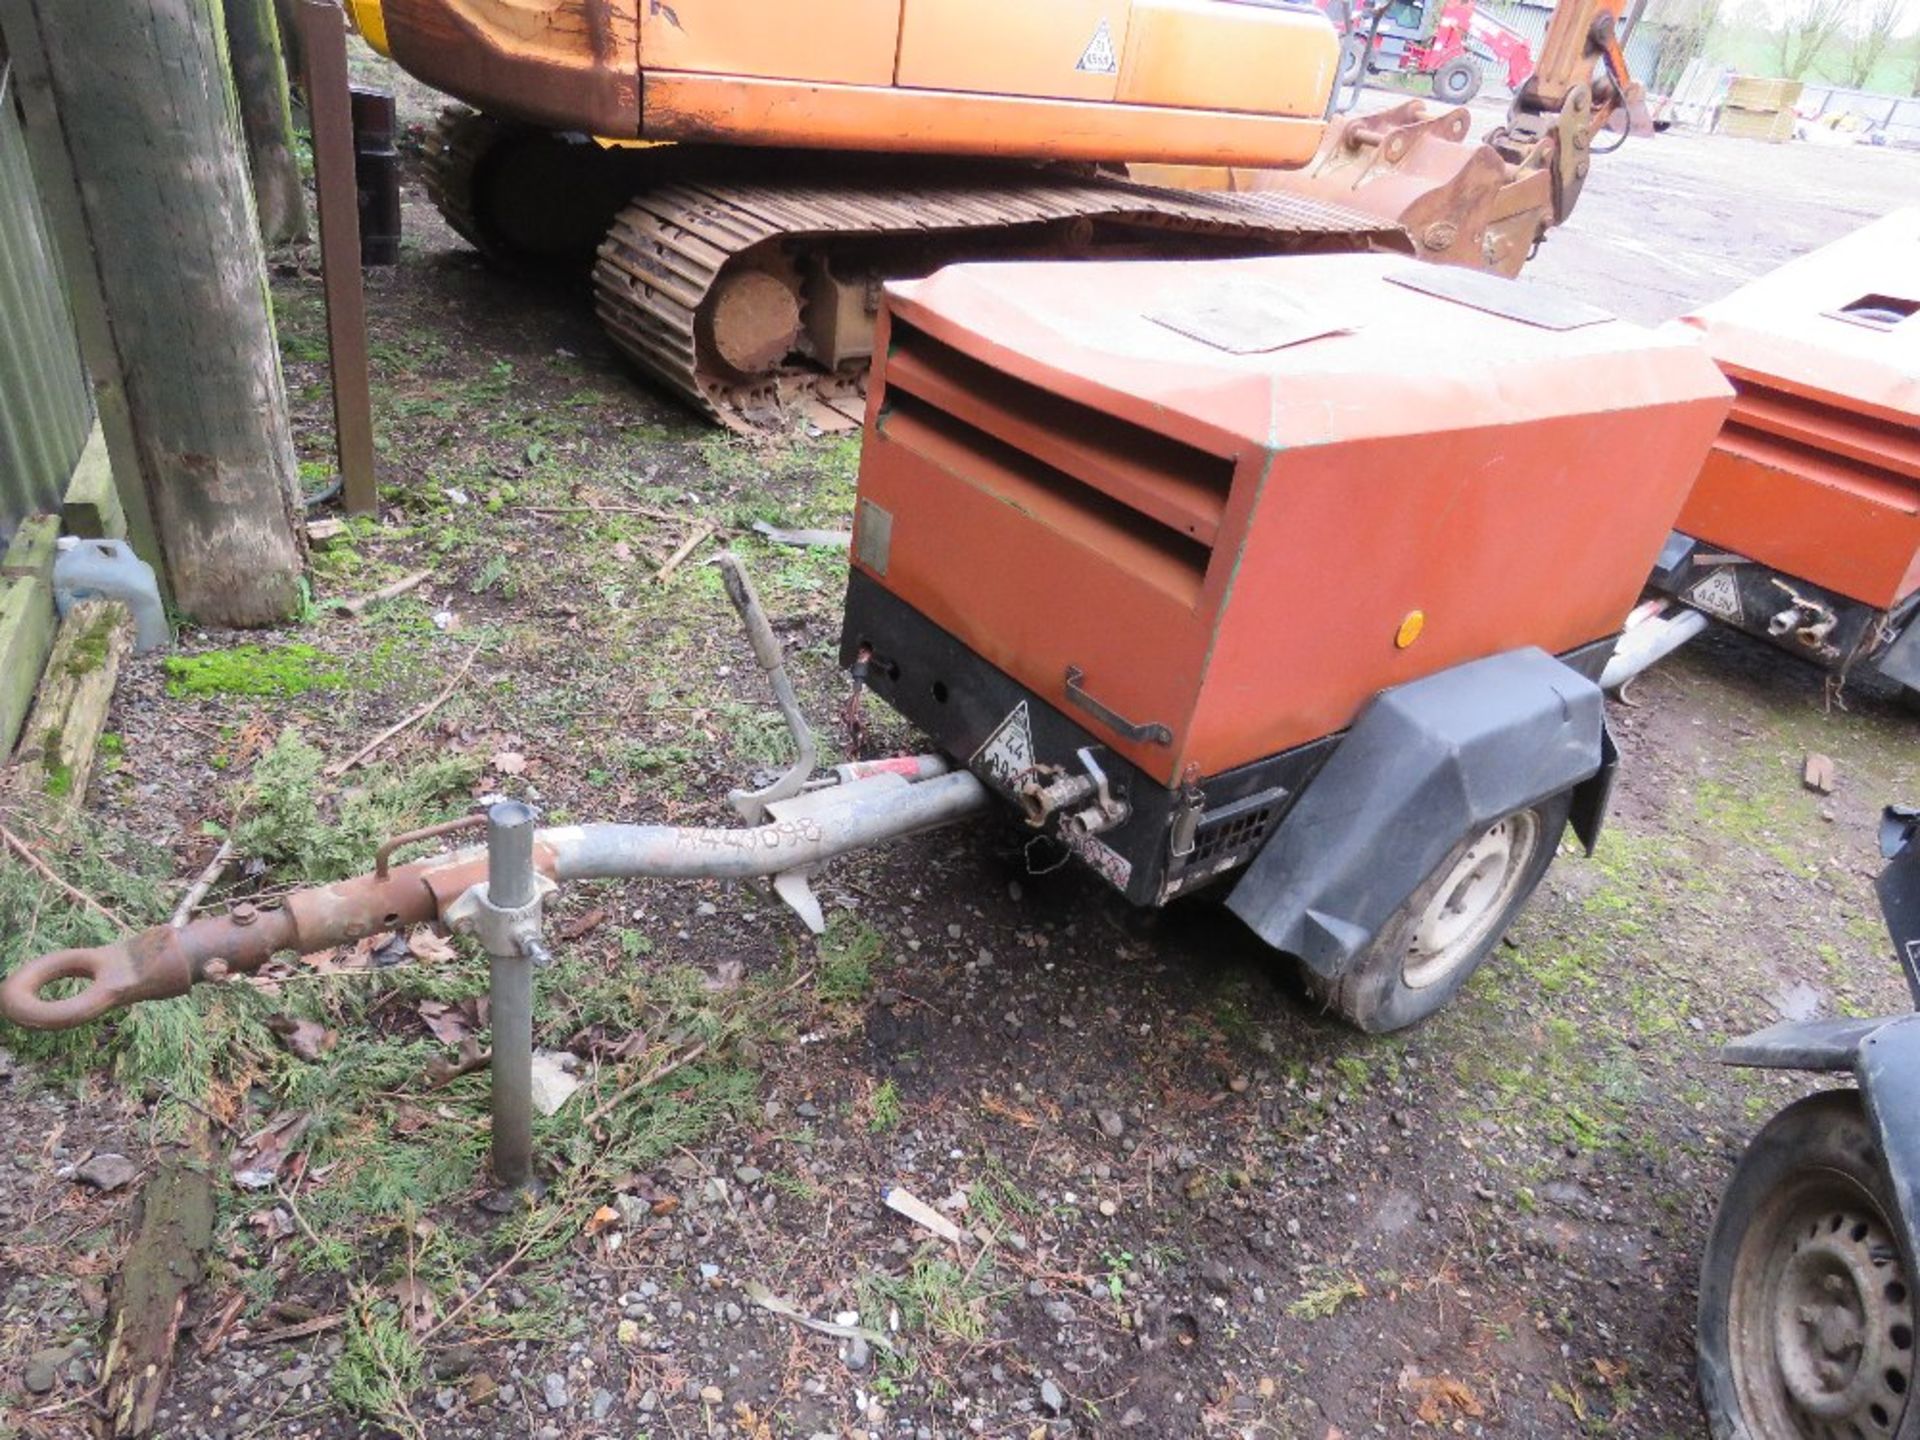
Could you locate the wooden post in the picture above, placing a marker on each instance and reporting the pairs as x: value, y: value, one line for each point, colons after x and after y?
x: 135, y: 146
x: 266, y: 118
x: 323, y: 42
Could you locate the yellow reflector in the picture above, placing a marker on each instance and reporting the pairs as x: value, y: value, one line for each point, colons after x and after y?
x: 1410, y: 628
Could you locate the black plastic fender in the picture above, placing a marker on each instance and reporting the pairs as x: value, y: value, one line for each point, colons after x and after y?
x: 1888, y: 1064
x: 1426, y: 764
x: 1899, y: 888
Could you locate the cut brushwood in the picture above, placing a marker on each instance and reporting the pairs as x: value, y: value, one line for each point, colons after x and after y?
x: 359, y: 604
x: 173, y: 1229
x: 55, y: 759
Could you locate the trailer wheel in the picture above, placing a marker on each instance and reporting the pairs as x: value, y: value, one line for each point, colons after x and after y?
x: 1437, y: 938
x: 1457, y: 81
x: 1806, y: 1319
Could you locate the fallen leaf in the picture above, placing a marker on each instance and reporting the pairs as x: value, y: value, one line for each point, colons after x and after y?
x: 273, y: 1223
x: 727, y: 975
x: 600, y: 1219
x: 447, y: 1022
x: 416, y: 1304
x: 305, y: 1039
x: 429, y: 945
x: 509, y: 762
x: 471, y: 1058
x: 1439, y: 1396
x: 622, y: 551
x: 257, y: 1159
x: 410, y: 1118
x: 324, y: 961
x: 584, y: 924
x: 371, y: 950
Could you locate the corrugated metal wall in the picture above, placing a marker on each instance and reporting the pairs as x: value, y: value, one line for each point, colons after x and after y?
x: 46, y: 408
x: 1643, y: 47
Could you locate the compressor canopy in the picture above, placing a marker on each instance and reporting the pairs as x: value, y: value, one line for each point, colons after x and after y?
x: 1210, y: 508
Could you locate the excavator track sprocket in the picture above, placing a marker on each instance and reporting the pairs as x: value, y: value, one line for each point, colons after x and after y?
x: 524, y: 197
x: 704, y: 287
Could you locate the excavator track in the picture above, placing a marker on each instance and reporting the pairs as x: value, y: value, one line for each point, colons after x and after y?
x: 711, y: 288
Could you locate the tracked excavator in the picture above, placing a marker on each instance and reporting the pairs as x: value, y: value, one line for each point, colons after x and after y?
x: 744, y: 175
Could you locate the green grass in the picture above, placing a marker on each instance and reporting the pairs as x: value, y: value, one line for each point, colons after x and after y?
x: 935, y: 1296
x: 883, y: 1108
x: 848, y: 952
x: 1327, y: 1299
x: 283, y: 822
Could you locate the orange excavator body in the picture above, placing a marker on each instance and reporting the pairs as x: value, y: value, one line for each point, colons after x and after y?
x: 1209, y: 82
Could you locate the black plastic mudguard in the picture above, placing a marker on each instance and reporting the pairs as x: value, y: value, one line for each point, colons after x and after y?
x: 1888, y: 1065
x: 1425, y: 765
x: 1899, y: 888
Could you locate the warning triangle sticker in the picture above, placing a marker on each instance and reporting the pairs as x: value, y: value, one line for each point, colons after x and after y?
x: 1718, y: 594
x: 1008, y: 753
x: 1099, y: 58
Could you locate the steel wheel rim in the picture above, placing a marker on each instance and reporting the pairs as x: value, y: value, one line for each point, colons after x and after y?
x: 1820, y: 1320
x: 1478, y: 889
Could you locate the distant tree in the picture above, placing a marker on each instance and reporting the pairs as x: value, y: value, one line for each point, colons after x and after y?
x: 1807, y: 28
x: 1916, y: 67
x: 1685, y: 28
x: 1879, y: 19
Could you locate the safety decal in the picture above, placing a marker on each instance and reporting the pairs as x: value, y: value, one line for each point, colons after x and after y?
x: 1719, y: 594
x: 1100, y: 58
x: 1008, y: 753
x: 1106, y: 861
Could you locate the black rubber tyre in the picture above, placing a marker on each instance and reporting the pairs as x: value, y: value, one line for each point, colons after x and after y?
x: 1446, y: 928
x: 1806, y: 1322
x: 1353, y: 59
x: 1457, y: 81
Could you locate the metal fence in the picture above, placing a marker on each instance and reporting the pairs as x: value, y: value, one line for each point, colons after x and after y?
x: 46, y: 408
x: 1643, y: 47
x: 1893, y: 117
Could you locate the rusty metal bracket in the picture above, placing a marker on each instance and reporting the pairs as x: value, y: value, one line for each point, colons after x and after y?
x: 414, y: 837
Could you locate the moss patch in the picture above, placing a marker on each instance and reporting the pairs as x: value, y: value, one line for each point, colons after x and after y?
x: 255, y: 670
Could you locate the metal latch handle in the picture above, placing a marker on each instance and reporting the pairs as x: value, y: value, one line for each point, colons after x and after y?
x: 1152, y: 733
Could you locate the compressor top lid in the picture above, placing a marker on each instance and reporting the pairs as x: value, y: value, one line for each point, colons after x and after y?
x: 1839, y: 323
x: 1302, y: 349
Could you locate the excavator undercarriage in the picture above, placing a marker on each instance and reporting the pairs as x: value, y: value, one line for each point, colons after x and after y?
x: 737, y: 256
x: 747, y: 281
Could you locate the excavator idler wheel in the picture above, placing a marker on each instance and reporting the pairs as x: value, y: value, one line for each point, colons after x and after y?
x: 755, y: 320
x: 525, y: 198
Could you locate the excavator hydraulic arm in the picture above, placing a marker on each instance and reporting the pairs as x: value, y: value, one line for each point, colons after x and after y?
x: 1486, y: 205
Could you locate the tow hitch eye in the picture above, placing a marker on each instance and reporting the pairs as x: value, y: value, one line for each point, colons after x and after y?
x: 1085, y: 803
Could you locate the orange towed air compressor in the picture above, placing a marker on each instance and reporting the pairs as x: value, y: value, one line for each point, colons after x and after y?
x: 1142, y: 546
x: 1138, y: 545
x: 1804, y: 525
